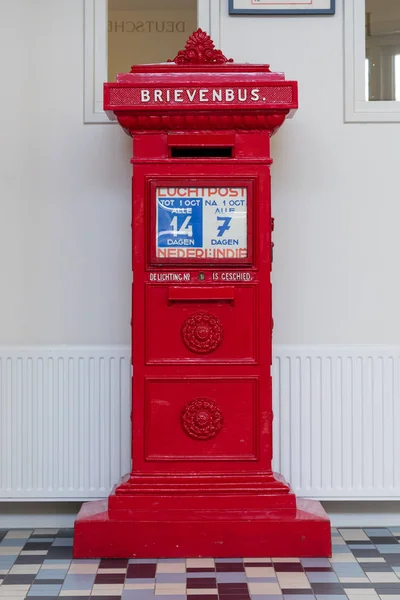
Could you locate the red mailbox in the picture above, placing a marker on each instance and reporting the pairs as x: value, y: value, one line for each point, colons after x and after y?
x: 201, y: 481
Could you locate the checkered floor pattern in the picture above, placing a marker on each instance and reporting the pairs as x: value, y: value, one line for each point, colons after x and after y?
x: 39, y: 564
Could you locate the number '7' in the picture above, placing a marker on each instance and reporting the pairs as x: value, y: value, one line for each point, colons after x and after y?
x: 225, y: 225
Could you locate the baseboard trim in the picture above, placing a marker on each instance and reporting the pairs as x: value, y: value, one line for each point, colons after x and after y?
x: 31, y: 515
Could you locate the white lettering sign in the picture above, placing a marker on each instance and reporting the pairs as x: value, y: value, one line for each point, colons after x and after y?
x: 167, y: 277
x: 231, y: 276
x: 200, y: 95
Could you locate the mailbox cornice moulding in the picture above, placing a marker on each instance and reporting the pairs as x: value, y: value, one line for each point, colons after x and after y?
x: 200, y: 90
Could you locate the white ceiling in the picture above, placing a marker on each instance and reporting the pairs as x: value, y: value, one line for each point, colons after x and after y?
x: 152, y: 4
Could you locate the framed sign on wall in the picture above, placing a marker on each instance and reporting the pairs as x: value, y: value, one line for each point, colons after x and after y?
x: 282, y: 7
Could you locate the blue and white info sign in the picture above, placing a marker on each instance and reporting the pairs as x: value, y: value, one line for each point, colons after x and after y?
x: 201, y: 223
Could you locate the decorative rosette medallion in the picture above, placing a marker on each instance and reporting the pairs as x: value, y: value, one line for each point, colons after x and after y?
x: 202, y: 332
x: 201, y: 419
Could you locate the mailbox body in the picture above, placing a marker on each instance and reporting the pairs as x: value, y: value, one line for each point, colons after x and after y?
x: 198, y: 331
x: 201, y: 482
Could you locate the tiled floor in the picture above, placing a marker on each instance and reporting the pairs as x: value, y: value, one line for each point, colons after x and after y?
x: 38, y: 564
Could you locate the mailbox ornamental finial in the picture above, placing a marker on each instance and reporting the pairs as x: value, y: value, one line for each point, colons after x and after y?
x: 200, y: 50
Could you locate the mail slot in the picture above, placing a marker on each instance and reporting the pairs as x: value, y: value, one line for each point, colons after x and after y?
x: 201, y: 482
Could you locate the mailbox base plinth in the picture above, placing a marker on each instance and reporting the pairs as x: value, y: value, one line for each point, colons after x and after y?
x: 303, y: 531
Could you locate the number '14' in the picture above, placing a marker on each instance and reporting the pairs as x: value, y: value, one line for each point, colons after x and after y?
x: 184, y: 229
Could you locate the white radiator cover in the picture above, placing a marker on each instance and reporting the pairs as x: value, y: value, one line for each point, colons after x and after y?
x: 65, y: 421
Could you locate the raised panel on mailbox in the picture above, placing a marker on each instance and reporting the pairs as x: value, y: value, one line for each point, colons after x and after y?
x: 215, y: 324
x: 202, y: 419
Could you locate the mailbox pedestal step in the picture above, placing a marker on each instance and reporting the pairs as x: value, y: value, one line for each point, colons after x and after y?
x: 190, y: 493
x: 301, y: 532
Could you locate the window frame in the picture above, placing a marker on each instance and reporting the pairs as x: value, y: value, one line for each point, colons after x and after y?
x: 357, y: 109
x: 96, y: 50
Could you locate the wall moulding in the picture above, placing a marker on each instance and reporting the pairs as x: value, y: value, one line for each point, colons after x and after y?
x: 357, y: 109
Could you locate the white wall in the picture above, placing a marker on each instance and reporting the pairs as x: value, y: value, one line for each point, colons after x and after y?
x: 65, y: 190
x: 335, y: 185
x: 65, y: 205
x: 65, y: 222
